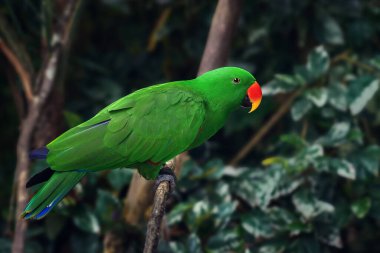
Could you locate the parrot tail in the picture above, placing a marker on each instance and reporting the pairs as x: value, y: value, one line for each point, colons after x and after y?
x: 59, y: 184
x: 39, y: 153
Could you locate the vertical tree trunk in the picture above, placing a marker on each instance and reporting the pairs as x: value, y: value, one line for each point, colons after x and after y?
x: 222, y: 30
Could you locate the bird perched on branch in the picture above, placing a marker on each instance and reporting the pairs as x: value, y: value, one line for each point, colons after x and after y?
x: 142, y: 130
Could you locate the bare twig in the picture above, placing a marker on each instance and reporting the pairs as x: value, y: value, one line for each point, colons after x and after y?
x: 24, y: 75
x: 257, y: 137
x: 46, y: 83
x: 154, y: 224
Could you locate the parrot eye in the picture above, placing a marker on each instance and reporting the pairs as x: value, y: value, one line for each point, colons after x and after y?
x: 236, y: 80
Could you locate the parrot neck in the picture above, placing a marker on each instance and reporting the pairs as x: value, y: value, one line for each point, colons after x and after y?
x: 218, y: 102
x: 218, y: 109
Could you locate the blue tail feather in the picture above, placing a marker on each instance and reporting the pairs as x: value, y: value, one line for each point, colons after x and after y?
x: 47, y: 209
x: 39, y: 153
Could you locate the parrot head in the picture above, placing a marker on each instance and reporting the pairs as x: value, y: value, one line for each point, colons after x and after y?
x: 229, y: 87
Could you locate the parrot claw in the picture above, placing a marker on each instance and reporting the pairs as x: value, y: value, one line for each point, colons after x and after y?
x: 166, y: 174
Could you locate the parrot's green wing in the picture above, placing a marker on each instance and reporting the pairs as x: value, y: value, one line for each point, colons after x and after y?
x: 148, y: 126
x: 155, y: 125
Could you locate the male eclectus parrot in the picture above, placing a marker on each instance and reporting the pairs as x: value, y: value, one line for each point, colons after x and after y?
x: 142, y: 130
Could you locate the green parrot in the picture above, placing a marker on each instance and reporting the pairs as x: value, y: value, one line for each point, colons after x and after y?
x: 142, y: 130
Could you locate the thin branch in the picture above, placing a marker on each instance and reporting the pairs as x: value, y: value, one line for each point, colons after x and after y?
x: 24, y: 75
x: 154, y: 224
x: 257, y: 137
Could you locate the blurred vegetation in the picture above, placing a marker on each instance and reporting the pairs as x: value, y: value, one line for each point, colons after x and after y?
x: 311, y: 185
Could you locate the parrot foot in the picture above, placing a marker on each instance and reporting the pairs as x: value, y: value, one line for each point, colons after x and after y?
x: 166, y: 174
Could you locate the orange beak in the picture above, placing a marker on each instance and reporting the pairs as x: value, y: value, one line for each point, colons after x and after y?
x: 254, y: 94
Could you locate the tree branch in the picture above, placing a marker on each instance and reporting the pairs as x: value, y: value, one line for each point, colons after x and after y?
x: 154, y: 224
x: 223, y: 26
x: 46, y: 83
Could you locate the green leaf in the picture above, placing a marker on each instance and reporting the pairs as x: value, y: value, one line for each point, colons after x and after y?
x: 340, y: 167
x: 294, y: 140
x: 280, y: 217
x: 177, y: 247
x: 193, y: 243
x: 106, y: 205
x: 338, y: 96
x: 367, y: 161
x: 225, y: 241
x: 330, y: 235
x: 286, y: 186
x: 118, y: 178
x: 177, y: 213
x: 298, y: 227
x: 288, y: 80
x: 375, y: 61
x: 212, y: 170
x: 318, y: 62
x: 344, y: 168
x: 198, y: 215
x: 361, y: 207
x: 87, y: 221
x: 258, y: 187
x: 223, y: 213
x: 318, y: 96
x: 282, y: 84
x: 300, y: 108
x: 360, y: 92
x: 336, y: 135
x: 329, y: 30
x: 258, y: 224
x: 272, y: 248
x: 309, y: 206
x: 311, y: 153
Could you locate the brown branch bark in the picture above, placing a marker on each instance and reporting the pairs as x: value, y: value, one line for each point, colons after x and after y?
x: 154, y: 224
x: 257, y: 137
x: 223, y: 26
x: 45, y: 84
